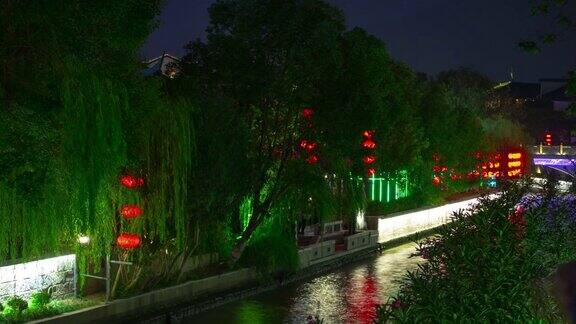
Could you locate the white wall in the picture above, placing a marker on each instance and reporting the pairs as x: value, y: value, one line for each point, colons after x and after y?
x: 23, y: 279
x: 411, y: 222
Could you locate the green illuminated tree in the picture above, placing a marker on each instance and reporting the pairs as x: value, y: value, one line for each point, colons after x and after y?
x: 262, y: 62
x: 75, y: 112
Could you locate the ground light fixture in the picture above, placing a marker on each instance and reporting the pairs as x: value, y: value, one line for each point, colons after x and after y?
x: 83, y: 239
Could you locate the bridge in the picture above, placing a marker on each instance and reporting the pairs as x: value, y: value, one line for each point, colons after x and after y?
x: 560, y: 158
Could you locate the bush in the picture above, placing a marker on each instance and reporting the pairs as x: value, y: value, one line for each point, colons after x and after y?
x: 16, y: 305
x: 489, y: 265
x: 40, y: 299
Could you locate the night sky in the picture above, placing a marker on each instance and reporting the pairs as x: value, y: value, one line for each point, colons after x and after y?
x: 429, y: 35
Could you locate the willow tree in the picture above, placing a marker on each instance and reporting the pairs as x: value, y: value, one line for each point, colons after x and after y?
x: 76, y: 114
x: 264, y: 60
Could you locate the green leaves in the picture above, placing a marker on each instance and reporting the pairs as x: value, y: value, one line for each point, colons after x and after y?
x: 478, y: 270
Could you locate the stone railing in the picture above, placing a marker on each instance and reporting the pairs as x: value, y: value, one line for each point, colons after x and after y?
x: 361, y: 240
x: 553, y: 150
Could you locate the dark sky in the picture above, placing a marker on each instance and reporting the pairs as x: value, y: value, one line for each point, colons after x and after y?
x: 429, y: 35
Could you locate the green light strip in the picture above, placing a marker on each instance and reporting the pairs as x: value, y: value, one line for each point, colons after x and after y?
x: 406, y: 187
x: 387, y: 190
x: 373, y: 187
x: 380, y: 191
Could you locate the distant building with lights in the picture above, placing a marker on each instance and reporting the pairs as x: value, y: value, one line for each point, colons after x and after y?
x: 541, y: 106
x: 165, y: 64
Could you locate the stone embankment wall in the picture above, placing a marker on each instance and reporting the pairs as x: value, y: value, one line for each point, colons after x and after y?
x: 23, y: 279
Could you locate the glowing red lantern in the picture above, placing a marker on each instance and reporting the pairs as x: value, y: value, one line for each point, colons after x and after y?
x: 368, y: 134
x: 369, y: 159
x: 128, y: 241
x: 131, y: 182
x: 369, y: 144
x: 307, y: 113
x: 436, y: 180
x: 371, y: 171
x: 308, y: 145
x: 131, y: 211
x: 313, y: 159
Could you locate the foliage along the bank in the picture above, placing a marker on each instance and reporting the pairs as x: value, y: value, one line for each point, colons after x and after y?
x: 498, y: 259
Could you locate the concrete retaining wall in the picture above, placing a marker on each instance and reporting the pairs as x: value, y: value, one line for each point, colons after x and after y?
x: 162, y: 298
x: 23, y: 279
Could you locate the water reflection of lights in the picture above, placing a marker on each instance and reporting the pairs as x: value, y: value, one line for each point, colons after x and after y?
x: 348, y: 295
x: 351, y: 295
x: 321, y: 297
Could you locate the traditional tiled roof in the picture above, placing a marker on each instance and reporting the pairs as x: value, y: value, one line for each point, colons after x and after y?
x: 165, y: 64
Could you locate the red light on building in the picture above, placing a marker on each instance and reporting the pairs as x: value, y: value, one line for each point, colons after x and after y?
x: 371, y: 171
x: 131, y: 211
x: 369, y: 144
x: 436, y: 180
x: 128, y: 241
x: 131, y: 182
x: 313, y: 159
x: 369, y: 159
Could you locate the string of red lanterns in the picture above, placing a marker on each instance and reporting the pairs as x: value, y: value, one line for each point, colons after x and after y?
x: 129, y: 241
x: 369, y: 144
x: 309, y: 146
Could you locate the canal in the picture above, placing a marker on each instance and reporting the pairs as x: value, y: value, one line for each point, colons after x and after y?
x: 346, y: 295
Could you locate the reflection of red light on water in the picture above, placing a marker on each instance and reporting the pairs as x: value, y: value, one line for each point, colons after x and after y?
x: 362, y: 299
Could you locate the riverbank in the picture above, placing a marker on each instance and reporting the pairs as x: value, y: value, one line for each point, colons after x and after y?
x: 199, y: 295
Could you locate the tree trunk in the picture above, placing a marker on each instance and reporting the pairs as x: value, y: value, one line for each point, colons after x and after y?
x: 240, y: 245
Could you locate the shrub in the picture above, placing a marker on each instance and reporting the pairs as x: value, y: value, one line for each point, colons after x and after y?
x: 16, y: 305
x: 40, y: 299
x: 488, y: 265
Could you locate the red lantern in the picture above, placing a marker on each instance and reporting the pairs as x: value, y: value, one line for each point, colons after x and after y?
x: 131, y: 211
x: 128, y: 241
x: 368, y: 133
x: 307, y: 113
x: 131, y: 182
x: 548, y: 139
x: 369, y: 144
x: 369, y: 159
x: 371, y: 171
x: 436, y: 180
x: 308, y: 145
x: 313, y: 159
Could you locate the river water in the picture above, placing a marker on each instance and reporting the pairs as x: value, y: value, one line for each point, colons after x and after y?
x: 346, y: 295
